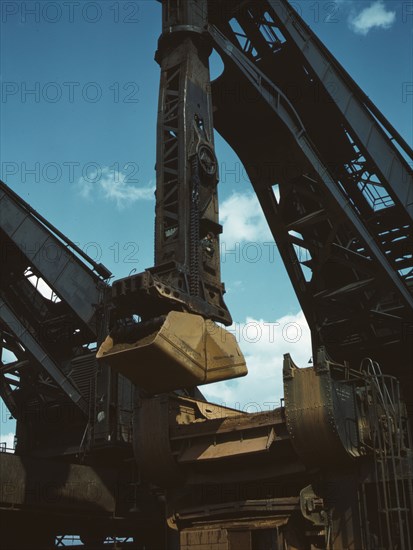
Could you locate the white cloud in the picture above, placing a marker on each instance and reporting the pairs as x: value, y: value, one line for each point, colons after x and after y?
x: 263, y: 344
x: 243, y: 220
x: 236, y: 286
x: 113, y: 185
x: 7, y: 439
x: 375, y: 15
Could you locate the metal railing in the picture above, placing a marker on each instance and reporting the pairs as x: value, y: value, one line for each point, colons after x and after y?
x: 391, y: 448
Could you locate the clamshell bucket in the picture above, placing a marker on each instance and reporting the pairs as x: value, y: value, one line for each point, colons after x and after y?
x: 185, y: 351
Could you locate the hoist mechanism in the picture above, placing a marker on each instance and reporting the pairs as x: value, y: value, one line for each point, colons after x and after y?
x: 179, y: 300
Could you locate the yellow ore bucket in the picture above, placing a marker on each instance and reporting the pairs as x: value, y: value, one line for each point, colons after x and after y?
x: 186, y: 351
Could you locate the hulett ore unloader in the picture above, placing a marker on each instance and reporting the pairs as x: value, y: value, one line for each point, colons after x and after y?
x: 114, y: 438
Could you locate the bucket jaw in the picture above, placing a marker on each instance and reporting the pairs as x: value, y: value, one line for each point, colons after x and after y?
x: 185, y: 351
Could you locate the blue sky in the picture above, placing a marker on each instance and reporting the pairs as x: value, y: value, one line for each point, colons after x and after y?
x: 78, y: 108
